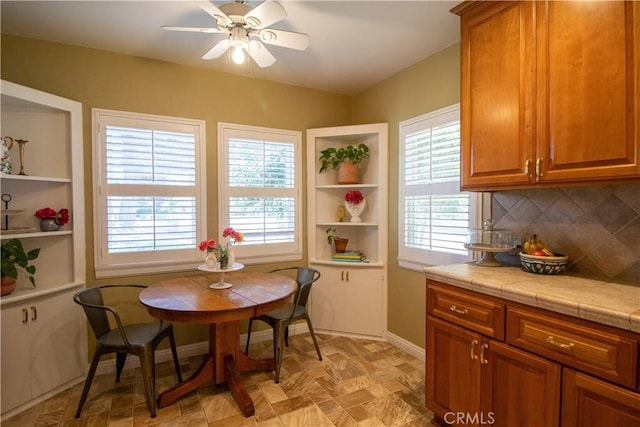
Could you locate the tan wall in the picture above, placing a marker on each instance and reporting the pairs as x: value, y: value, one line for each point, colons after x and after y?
x: 100, y: 79
x: 427, y: 86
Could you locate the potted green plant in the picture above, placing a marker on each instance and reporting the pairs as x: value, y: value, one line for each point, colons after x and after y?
x: 14, y: 257
x: 333, y: 238
x: 345, y: 160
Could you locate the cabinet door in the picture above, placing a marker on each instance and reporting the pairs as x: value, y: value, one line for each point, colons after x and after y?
x: 328, y: 302
x: 588, y: 402
x: 364, y: 311
x: 348, y: 300
x: 518, y: 388
x: 16, y: 384
x: 497, y: 72
x: 588, y: 76
x: 452, y: 369
x: 55, y: 332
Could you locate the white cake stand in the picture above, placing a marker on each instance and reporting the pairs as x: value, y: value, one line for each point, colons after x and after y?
x: 221, y: 284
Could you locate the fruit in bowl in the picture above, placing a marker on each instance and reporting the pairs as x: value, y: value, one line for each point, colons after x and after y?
x: 544, y: 264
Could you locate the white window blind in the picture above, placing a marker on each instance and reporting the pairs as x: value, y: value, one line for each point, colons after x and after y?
x: 434, y: 214
x: 149, y: 192
x: 260, y: 188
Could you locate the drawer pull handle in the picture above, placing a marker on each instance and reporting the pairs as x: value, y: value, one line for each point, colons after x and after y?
x: 483, y: 347
x: 527, y: 168
x: 552, y: 341
x: 473, y: 345
x: 25, y: 315
x: 456, y: 310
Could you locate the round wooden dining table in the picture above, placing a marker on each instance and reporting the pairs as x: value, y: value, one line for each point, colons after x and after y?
x: 189, y: 299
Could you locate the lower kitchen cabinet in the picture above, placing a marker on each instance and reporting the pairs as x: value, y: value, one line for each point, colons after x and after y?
x: 475, y: 380
x: 495, y: 362
x: 42, y: 347
x: 348, y: 300
x: 589, y: 402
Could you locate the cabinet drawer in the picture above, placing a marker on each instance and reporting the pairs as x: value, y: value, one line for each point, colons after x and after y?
x: 470, y: 311
x: 589, y: 348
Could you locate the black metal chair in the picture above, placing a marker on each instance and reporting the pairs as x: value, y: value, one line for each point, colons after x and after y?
x: 140, y: 339
x: 281, y: 318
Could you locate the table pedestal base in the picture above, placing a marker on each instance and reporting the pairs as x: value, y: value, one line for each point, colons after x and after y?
x: 224, y: 364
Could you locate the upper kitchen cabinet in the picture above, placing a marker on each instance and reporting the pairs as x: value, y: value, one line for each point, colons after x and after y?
x: 549, y: 93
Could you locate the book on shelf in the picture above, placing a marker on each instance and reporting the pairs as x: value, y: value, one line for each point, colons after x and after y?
x: 364, y: 259
x: 350, y: 256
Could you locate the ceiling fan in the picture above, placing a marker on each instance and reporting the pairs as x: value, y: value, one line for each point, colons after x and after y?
x: 247, y: 28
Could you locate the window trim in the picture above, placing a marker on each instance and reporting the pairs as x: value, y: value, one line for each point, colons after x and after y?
x: 412, y: 258
x: 157, y: 261
x: 255, y: 254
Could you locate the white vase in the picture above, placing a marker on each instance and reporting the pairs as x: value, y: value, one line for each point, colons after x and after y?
x: 232, y: 258
x: 210, y: 260
x: 355, y: 210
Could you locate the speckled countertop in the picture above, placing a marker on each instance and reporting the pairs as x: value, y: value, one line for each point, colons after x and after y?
x: 607, y: 303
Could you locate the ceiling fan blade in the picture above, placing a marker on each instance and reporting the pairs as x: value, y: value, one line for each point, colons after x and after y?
x: 217, y: 14
x: 299, y: 41
x: 192, y: 29
x: 260, y: 54
x: 265, y: 14
x: 216, y: 51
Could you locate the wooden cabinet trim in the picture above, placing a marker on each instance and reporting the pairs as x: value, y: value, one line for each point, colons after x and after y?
x: 473, y: 312
x: 580, y: 390
x: 608, y: 355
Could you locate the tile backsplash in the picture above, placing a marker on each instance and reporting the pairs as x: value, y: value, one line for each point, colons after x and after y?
x: 597, y: 227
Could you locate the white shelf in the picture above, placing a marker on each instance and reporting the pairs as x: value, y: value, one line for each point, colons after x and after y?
x: 23, y: 234
x: 33, y: 178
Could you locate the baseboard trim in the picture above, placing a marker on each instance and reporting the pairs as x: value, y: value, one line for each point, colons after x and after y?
x: 201, y: 348
x: 406, y: 346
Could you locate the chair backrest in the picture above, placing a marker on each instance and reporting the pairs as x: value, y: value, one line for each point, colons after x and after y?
x: 94, y: 307
x: 305, y: 277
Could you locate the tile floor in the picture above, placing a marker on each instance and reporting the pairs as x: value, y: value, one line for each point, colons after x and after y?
x: 358, y: 383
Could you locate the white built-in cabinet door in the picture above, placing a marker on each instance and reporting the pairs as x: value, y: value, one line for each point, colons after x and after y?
x: 348, y: 300
x: 41, y: 347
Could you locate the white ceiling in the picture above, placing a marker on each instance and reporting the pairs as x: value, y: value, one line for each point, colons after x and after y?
x: 353, y: 44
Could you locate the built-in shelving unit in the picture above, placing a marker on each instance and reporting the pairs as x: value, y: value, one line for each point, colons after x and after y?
x: 350, y: 296
x: 40, y: 322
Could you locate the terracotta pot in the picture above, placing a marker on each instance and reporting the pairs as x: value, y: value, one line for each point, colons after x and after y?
x: 341, y: 244
x: 8, y: 285
x: 347, y: 173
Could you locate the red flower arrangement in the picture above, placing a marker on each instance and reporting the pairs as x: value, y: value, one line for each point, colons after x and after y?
x: 210, y: 245
x: 61, y: 217
x: 233, y: 235
x: 354, y: 197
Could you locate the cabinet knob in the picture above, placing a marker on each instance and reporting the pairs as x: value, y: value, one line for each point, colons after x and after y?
x: 483, y: 347
x: 551, y: 340
x: 473, y: 346
x: 539, y: 172
x: 456, y: 310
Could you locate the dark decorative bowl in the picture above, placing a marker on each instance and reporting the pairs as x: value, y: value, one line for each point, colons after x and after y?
x: 544, y: 264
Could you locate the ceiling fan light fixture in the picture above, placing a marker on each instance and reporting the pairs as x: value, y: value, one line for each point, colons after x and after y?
x: 239, y: 42
x: 238, y: 56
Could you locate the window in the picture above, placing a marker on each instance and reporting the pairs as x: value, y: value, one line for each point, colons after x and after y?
x: 149, y: 202
x: 434, y: 215
x: 260, y: 187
